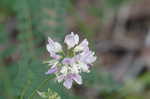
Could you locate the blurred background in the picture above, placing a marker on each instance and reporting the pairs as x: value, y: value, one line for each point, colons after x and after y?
x: 118, y: 30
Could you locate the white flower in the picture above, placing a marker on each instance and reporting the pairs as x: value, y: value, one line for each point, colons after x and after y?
x: 87, y: 57
x: 68, y: 80
x: 82, y: 46
x: 77, y: 78
x: 68, y: 83
x: 75, y: 68
x: 53, y: 46
x: 84, y: 67
x: 64, y: 70
x: 70, y: 65
x: 71, y: 40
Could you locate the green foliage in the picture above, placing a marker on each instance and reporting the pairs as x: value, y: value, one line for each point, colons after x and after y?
x: 25, y: 74
x: 114, y: 3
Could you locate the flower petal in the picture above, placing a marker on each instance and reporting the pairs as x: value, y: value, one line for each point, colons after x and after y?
x: 68, y: 61
x: 84, y: 67
x: 58, y: 47
x: 55, y: 56
x: 71, y: 40
x: 77, y: 78
x: 68, y: 83
x: 53, y: 47
x: 75, y: 68
x: 52, y: 70
x: 64, y: 70
x: 88, y: 57
x: 82, y: 46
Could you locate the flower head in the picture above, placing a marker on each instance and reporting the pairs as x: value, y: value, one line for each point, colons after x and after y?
x: 70, y: 65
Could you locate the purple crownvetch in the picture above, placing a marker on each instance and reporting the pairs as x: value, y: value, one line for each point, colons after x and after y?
x: 68, y: 66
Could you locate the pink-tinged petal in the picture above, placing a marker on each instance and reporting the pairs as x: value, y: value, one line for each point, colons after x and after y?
x: 82, y: 46
x: 52, y: 70
x: 55, y: 56
x: 91, y: 59
x: 68, y: 61
x: 68, y: 83
x: 87, y: 57
x: 53, y: 47
x: 71, y: 40
x: 77, y: 78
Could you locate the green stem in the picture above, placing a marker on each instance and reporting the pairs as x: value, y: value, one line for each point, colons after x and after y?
x: 24, y: 90
x: 63, y: 53
x: 40, y: 86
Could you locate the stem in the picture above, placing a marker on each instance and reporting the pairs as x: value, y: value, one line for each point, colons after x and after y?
x: 40, y: 86
x: 24, y: 90
x: 63, y: 53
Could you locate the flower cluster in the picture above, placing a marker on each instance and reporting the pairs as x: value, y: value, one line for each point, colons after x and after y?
x: 67, y: 65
